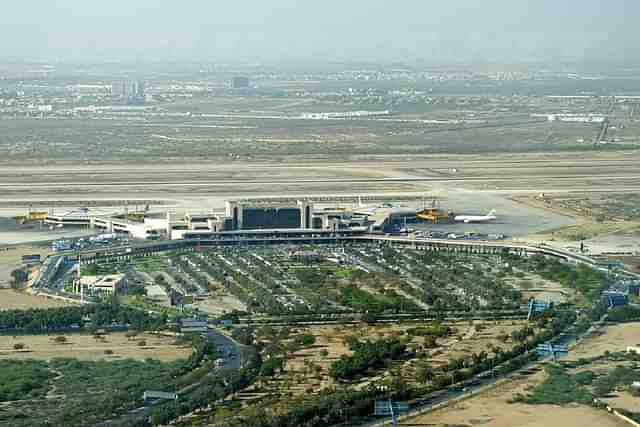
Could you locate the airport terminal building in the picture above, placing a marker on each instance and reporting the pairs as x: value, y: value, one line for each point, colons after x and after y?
x: 240, y: 216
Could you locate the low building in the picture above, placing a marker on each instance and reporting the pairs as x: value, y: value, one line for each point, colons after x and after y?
x: 31, y: 259
x: 101, y: 284
x: 615, y: 298
x: 193, y: 326
x: 633, y: 349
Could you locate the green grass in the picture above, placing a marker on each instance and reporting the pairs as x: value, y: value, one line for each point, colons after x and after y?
x: 20, y: 380
x: 558, y: 389
x: 95, y: 390
x: 345, y: 273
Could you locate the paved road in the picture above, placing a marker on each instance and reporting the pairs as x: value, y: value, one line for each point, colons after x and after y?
x: 229, y: 348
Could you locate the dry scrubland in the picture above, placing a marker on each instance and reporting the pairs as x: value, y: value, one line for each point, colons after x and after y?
x: 493, y: 408
x: 256, y: 137
x: 12, y: 300
x: 88, y: 347
x: 605, y: 222
x: 307, y: 369
x: 614, y: 338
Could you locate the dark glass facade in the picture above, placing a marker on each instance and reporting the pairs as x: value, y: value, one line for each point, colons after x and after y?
x: 270, y: 218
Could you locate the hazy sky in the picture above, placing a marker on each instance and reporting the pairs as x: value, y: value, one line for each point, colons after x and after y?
x: 272, y: 30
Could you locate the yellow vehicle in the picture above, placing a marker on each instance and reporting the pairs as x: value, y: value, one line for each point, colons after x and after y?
x: 434, y: 215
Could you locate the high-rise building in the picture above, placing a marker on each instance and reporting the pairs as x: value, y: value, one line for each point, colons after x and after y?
x: 127, y: 89
x: 138, y: 89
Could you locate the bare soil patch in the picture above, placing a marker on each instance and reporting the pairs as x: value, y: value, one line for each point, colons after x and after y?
x: 12, y: 300
x: 85, y: 347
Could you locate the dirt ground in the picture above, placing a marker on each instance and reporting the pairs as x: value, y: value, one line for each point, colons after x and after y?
x: 12, y: 300
x: 86, y: 347
x: 10, y: 259
x: 307, y: 367
x: 220, y: 304
x: 623, y: 400
x: 614, y: 338
x: 492, y: 407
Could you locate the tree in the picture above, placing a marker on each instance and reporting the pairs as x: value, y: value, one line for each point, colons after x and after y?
x: 306, y: 340
x: 430, y: 342
x: 18, y: 278
x: 425, y: 373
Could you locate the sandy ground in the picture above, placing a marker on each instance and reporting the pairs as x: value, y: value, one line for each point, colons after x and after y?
x: 544, y: 290
x: 492, y: 407
x: 86, y: 347
x: 11, y: 258
x: 12, y: 300
x: 217, y: 305
x: 332, y: 339
x: 614, y: 338
x: 625, y: 401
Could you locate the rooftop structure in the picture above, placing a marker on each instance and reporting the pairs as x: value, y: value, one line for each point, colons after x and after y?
x: 102, y: 284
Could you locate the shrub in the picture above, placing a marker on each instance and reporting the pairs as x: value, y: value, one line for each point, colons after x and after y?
x: 60, y: 339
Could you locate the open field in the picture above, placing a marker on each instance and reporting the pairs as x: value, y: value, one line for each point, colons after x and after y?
x: 605, y: 222
x: 11, y: 258
x: 12, y: 300
x: 259, y: 135
x: 493, y: 408
x: 307, y: 369
x: 615, y: 338
x: 465, y: 339
x: 86, y: 347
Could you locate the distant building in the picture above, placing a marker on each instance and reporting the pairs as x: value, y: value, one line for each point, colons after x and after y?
x: 31, y: 259
x: 129, y: 90
x: 240, y: 83
x: 615, y: 298
x: 258, y: 216
x: 139, y: 89
x: 193, y: 326
x: 102, y: 285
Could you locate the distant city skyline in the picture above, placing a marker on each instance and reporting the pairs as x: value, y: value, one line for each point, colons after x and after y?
x: 286, y: 30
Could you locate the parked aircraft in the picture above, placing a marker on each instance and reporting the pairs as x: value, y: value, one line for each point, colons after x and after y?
x: 476, y: 218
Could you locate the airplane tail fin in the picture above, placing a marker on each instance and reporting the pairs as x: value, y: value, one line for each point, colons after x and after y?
x: 492, y: 212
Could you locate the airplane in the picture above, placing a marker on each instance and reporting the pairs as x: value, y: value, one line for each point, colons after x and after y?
x: 367, y: 210
x: 476, y: 218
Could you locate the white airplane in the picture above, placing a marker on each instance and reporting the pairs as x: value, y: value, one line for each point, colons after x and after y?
x: 363, y: 209
x: 476, y: 218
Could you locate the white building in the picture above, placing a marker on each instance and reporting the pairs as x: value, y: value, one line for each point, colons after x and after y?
x: 102, y: 284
